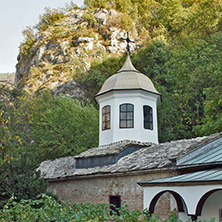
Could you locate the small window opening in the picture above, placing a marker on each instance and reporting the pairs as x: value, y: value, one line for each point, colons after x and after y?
x: 115, y: 203
x: 148, y: 117
x: 106, y: 117
x: 126, y: 116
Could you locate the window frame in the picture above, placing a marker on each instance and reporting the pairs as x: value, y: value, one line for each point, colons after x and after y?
x: 106, y: 117
x: 129, y: 116
x: 147, y: 117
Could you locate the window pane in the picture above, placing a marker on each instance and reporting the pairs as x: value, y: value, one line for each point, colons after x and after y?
x: 126, y: 115
x: 129, y: 124
x: 123, y: 108
x: 115, y: 204
x: 122, y: 116
x: 129, y: 107
x: 123, y: 124
x: 130, y: 115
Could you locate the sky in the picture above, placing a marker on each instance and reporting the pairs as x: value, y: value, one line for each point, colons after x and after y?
x: 15, y: 16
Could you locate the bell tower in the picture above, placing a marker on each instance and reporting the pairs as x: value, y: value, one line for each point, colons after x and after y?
x: 128, y: 107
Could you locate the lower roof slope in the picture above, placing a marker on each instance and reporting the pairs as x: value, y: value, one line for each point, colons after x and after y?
x: 154, y: 157
x: 213, y: 175
x: 210, y: 153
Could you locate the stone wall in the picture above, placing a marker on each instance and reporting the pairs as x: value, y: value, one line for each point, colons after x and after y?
x: 98, y: 189
x: 163, y: 205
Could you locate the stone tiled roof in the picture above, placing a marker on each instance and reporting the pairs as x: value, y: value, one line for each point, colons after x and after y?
x: 159, y: 156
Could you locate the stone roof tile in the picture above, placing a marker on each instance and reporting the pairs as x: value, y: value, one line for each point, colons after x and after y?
x: 157, y: 156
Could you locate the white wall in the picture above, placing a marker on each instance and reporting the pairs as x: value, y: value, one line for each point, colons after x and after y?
x: 138, y: 98
x: 191, y: 196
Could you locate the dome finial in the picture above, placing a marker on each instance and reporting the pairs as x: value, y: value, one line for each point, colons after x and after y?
x: 128, y: 40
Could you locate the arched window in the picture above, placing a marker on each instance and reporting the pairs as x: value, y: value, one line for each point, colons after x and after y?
x: 126, y: 116
x: 106, y: 117
x: 148, y: 117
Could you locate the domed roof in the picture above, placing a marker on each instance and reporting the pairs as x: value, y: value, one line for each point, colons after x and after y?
x: 128, y: 78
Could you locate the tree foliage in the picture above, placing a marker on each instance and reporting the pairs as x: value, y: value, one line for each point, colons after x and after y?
x: 92, y: 81
x: 10, y: 141
x: 62, y: 126
x: 45, y: 126
x: 19, y: 178
x: 195, y: 68
x: 171, y: 18
x: 46, y: 208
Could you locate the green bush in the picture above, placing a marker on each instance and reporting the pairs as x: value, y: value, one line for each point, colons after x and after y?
x: 20, y: 178
x: 48, y: 209
x: 62, y: 126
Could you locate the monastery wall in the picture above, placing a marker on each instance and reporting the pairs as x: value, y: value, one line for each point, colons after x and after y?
x: 99, y: 189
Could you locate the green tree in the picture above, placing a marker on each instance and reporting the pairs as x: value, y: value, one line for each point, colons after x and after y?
x: 153, y: 61
x: 172, y: 14
x: 212, y: 121
x: 96, y: 4
x: 20, y: 178
x: 194, y: 69
x: 62, y: 126
x: 10, y: 141
x: 44, y: 126
x: 92, y: 81
x: 48, y: 18
x: 204, y: 17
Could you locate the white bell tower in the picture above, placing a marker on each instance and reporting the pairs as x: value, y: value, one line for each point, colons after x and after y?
x: 128, y: 107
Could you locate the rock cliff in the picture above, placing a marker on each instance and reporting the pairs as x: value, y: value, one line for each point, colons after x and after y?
x: 7, y: 78
x: 66, y: 49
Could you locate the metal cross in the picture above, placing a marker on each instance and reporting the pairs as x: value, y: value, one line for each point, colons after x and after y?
x: 128, y: 41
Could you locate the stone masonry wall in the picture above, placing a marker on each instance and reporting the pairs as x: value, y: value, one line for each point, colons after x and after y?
x: 98, y: 189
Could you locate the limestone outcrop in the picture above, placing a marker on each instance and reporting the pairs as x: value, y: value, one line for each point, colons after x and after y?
x: 7, y: 78
x: 68, y: 47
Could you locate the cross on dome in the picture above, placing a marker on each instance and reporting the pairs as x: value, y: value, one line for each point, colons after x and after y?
x: 128, y: 40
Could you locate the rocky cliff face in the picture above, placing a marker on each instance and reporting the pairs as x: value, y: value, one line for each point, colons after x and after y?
x: 67, y: 48
x: 7, y: 78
